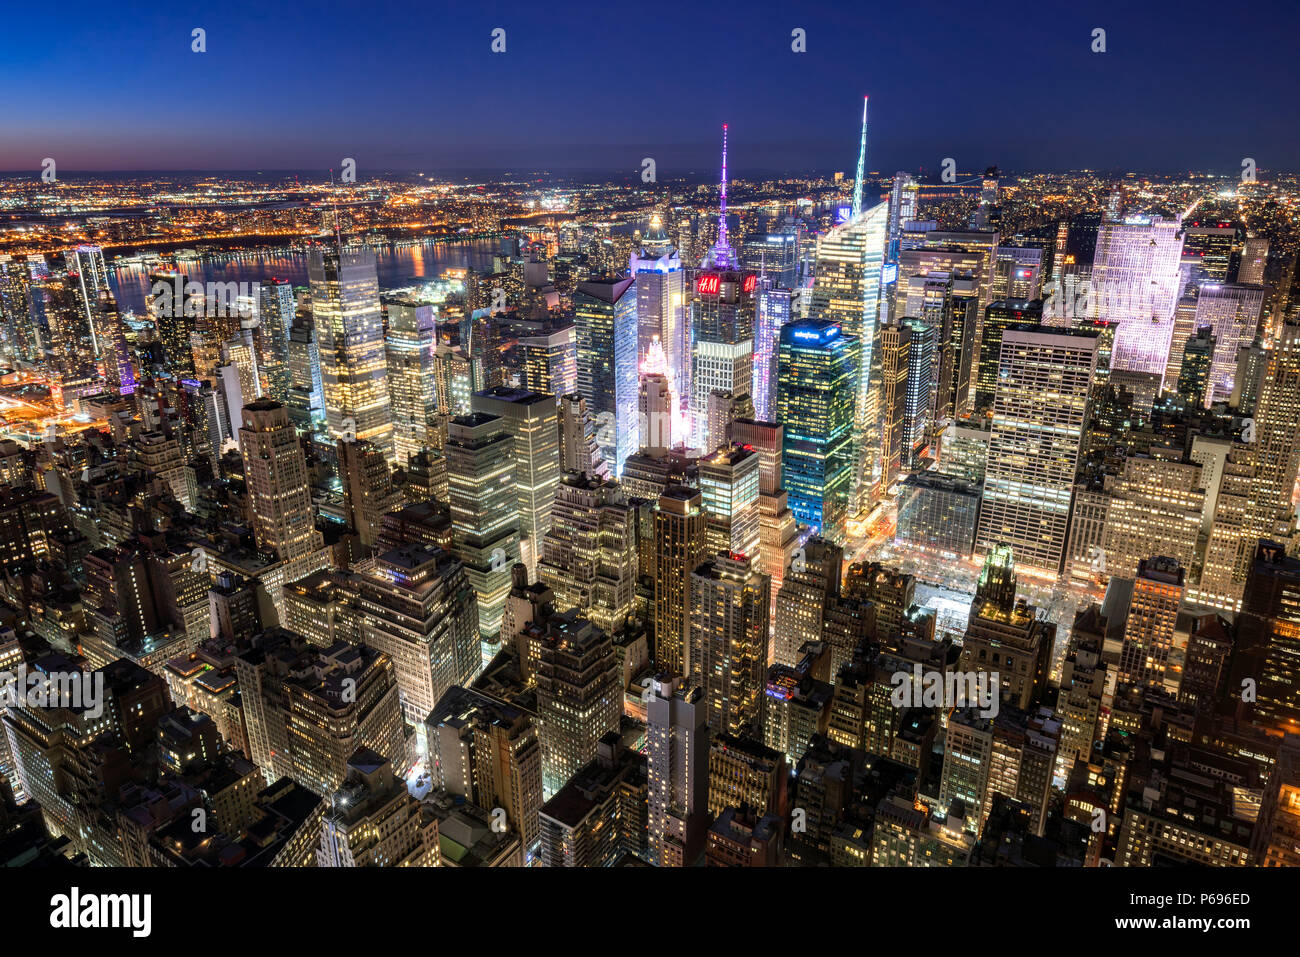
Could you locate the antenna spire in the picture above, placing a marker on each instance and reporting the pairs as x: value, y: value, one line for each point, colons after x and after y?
x: 722, y: 212
x: 722, y: 256
x: 862, y: 165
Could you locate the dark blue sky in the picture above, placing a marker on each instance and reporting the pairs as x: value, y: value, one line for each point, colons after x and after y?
x: 414, y: 85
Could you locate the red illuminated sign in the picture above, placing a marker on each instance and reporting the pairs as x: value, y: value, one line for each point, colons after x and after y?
x: 708, y: 285
x: 749, y: 283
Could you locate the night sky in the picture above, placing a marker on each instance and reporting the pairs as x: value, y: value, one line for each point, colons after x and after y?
x: 115, y: 86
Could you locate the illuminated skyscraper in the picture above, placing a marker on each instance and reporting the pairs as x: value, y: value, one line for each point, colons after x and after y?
x: 484, y: 511
x: 947, y: 304
x: 350, y: 337
x: 579, y: 695
x: 1017, y: 273
x: 606, y: 319
x: 906, y: 350
x: 775, y: 255
x: 550, y: 362
x: 656, y: 408
x: 415, y: 604
x: 1136, y: 283
x: 1233, y: 314
x: 772, y: 313
x: 412, y: 337
x: 368, y: 492
x: 1157, y: 593
x: 997, y: 317
x: 89, y: 274
x: 661, y: 301
x: 374, y: 821
x: 532, y: 421
x: 578, y: 449
x: 588, y: 557
x: 729, y: 484
x: 818, y: 368
x: 1039, y: 413
x: 309, y: 708
x: 279, y: 489
x: 679, y: 523
x: 811, y: 584
x: 1197, y: 362
x: 1270, y: 621
x: 904, y: 197
x: 722, y: 324
x: 306, y: 393
x: 1212, y: 249
x: 850, y: 260
x: 778, y: 534
x: 276, y: 310
x: 22, y: 335
x: 969, y: 258
x: 487, y: 751
x: 731, y: 605
x: 677, y: 745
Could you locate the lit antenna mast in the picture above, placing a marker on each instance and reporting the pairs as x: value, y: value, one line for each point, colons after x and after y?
x: 722, y: 256
x: 862, y: 165
x: 722, y: 212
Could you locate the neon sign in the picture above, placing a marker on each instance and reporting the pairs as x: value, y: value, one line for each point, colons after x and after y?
x: 749, y: 283
x: 708, y: 285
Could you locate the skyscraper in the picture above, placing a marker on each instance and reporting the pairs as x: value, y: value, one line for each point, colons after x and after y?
x: 309, y: 708
x: 306, y: 400
x: 661, y: 301
x: 550, y: 361
x: 368, y: 491
x: 811, y: 584
x: 533, y: 423
x: 276, y: 310
x: 1039, y: 412
x: 579, y: 695
x: 374, y: 821
x: 679, y: 530
x: 730, y: 608
x: 275, y: 473
x: 412, y: 338
x: 850, y: 263
x: 773, y: 312
x: 677, y: 744
x: 484, y: 511
x: 997, y: 317
x: 1149, y: 626
x: 1136, y: 283
x: 906, y: 349
x: 415, y: 604
x: 488, y: 752
x: 606, y: 318
x: 1233, y: 313
x: 729, y: 484
x: 578, y: 449
x: 818, y: 367
x: 722, y: 323
x: 350, y: 336
x: 655, y: 413
x: 588, y: 556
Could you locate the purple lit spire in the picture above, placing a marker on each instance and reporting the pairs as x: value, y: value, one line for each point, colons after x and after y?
x: 722, y: 213
x: 722, y: 256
